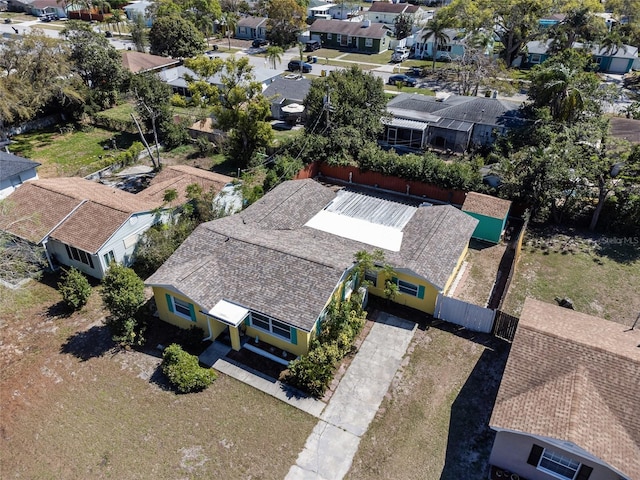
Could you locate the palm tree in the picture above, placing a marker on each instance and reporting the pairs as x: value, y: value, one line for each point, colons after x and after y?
x: 612, y: 43
x: 436, y: 28
x: 230, y: 22
x: 274, y: 55
x: 560, y: 92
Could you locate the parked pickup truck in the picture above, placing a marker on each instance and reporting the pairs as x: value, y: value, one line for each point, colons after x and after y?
x: 400, y: 54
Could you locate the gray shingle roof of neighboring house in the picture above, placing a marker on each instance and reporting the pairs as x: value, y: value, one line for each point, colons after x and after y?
x: 354, y: 29
x: 575, y: 378
x: 12, y: 165
x: 478, y: 110
x: 265, y: 258
x: 286, y: 88
x: 252, y: 22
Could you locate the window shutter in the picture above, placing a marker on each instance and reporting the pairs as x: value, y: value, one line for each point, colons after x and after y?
x: 318, y: 326
x: 420, y: 291
x: 192, y: 312
x: 294, y: 335
x: 344, y: 291
x: 535, y: 454
x: 584, y: 472
x: 169, y: 302
x: 247, y: 320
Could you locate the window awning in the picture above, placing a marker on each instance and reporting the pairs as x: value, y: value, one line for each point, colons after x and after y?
x: 229, y: 313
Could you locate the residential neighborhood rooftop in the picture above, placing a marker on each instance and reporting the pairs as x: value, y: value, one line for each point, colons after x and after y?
x: 261, y: 254
x: 11, y: 165
x: 137, y: 62
x: 486, y: 205
x: 354, y: 29
x: 575, y: 378
x: 386, y: 7
x: 290, y: 88
x: 73, y: 210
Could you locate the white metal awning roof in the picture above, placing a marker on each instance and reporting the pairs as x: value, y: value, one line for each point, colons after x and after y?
x: 404, y: 123
x: 228, y: 313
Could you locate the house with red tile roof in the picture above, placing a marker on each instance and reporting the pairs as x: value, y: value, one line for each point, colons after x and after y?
x: 568, y: 406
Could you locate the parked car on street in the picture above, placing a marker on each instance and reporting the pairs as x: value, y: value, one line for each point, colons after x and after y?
x: 297, y: 65
x: 406, y: 80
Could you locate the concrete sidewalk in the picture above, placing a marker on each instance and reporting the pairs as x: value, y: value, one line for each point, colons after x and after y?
x: 330, y: 448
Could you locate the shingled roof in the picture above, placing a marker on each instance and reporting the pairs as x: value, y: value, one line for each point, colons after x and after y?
x: 178, y: 178
x: 576, y: 378
x: 73, y: 210
x: 353, y: 29
x: 137, y: 62
x: 486, y: 205
x: 11, y: 165
x: 386, y: 7
x: 265, y: 258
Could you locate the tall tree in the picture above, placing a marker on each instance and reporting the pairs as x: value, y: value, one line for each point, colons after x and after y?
x: 436, y: 30
x: 237, y: 104
x: 138, y: 32
x: 36, y: 74
x: 97, y: 62
x: 562, y: 84
x: 514, y: 22
x: 286, y: 20
x: 175, y: 37
x: 229, y: 22
x: 403, y: 24
x: 579, y: 25
x: 274, y: 56
x: 344, y: 110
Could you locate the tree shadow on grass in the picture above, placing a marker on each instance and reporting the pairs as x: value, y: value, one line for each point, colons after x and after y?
x: 470, y: 438
x: 92, y: 343
x: 159, y: 379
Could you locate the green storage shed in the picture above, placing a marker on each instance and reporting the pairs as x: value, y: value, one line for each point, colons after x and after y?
x: 491, y: 213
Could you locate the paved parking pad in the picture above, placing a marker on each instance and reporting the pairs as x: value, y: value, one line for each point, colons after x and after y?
x: 334, y: 441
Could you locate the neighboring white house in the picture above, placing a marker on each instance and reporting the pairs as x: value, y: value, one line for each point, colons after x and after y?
x: 14, y: 171
x: 80, y: 223
x: 384, y: 12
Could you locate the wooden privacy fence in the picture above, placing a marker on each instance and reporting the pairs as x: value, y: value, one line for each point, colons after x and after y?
x: 470, y: 316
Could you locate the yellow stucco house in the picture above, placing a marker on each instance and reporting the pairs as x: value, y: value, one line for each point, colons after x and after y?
x: 271, y: 270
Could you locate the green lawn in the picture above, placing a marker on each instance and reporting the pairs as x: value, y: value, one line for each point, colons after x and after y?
x: 377, y: 58
x: 68, y: 152
x: 598, y: 274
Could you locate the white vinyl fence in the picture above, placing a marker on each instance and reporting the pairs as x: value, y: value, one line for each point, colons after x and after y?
x: 468, y: 315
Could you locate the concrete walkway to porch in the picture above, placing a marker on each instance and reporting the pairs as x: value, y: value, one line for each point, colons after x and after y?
x: 214, y: 357
x: 330, y: 448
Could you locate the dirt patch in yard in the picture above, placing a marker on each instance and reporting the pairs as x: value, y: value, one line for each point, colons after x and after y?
x: 433, y: 422
x: 481, y: 268
x: 73, y: 406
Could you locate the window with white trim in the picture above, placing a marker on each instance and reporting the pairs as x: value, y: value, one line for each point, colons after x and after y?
x: 534, y: 58
x: 329, y: 36
x: 368, y: 42
x: 79, y: 255
x: 109, y: 257
x: 407, y: 288
x: 181, y: 308
x: 269, y: 324
x: 558, y: 465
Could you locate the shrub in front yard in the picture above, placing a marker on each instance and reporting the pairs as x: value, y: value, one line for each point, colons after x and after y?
x: 183, y: 370
x: 313, y: 372
x: 123, y: 295
x: 75, y: 289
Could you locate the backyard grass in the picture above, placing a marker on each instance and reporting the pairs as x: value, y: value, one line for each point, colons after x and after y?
x: 75, y: 408
x: 433, y: 423
x: 600, y: 274
x: 68, y: 152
